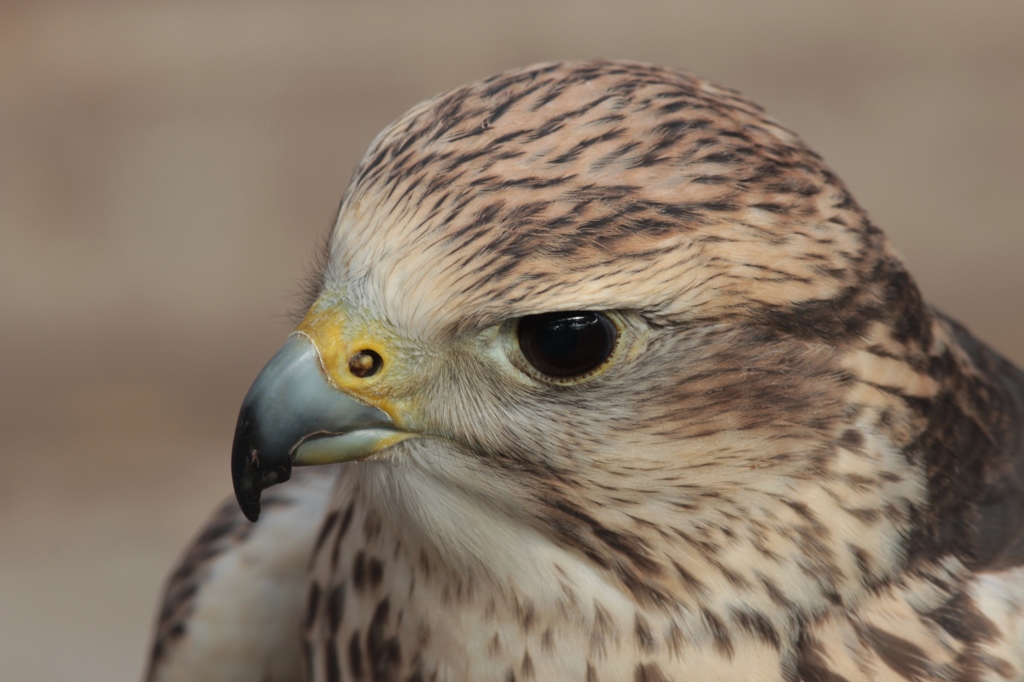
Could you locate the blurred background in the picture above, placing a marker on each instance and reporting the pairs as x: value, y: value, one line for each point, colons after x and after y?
x: 166, y: 169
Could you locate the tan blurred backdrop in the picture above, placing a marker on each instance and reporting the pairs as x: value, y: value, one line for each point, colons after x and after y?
x: 166, y: 168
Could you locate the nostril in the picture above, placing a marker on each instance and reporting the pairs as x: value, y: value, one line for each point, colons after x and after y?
x: 365, y: 363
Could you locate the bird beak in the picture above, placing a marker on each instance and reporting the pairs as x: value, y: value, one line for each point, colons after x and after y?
x: 292, y: 415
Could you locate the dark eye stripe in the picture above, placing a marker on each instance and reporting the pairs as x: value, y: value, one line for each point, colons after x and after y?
x: 566, y: 344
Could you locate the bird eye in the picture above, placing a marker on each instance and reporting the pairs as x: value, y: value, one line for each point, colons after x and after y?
x: 566, y: 344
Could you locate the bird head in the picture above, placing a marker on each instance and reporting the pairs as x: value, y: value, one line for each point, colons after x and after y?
x: 620, y: 311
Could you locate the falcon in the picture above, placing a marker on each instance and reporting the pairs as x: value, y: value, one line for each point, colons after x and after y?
x: 618, y: 382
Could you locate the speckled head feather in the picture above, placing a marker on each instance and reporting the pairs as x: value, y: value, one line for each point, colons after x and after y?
x: 596, y: 182
x: 789, y: 468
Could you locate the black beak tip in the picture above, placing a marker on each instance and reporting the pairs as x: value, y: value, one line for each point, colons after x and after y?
x: 245, y: 476
x: 250, y: 479
x: 251, y: 473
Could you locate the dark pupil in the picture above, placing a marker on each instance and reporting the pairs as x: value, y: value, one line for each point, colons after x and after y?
x: 566, y: 344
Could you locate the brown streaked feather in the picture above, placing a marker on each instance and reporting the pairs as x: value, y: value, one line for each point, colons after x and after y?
x: 235, y: 570
x: 226, y: 529
x: 999, y: 508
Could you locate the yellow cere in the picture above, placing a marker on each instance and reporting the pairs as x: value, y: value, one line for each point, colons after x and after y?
x: 337, y: 339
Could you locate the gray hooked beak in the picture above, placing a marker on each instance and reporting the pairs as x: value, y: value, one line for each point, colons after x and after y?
x: 293, y: 416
